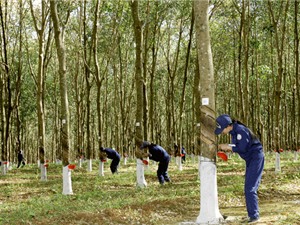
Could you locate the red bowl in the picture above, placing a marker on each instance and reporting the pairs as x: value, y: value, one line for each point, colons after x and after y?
x: 103, y: 160
x: 222, y: 155
x: 46, y: 165
x: 71, y: 166
x: 145, y: 162
x: 5, y: 163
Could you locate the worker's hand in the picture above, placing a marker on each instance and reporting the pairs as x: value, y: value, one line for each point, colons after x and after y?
x: 142, y: 154
x: 103, y: 156
x: 225, y: 147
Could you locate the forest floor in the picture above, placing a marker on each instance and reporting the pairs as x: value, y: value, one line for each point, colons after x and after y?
x: 115, y: 199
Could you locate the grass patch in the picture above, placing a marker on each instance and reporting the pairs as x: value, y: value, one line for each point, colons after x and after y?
x: 115, y: 199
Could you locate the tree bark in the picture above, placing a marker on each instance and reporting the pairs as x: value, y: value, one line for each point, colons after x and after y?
x: 297, y: 75
x: 141, y: 182
x: 279, y: 46
x: 6, y: 108
x: 209, y: 211
x: 40, y: 82
x: 64, y: 111
x: 138, y: 73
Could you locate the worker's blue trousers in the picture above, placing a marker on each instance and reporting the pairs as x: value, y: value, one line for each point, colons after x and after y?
x: 162, y: 171
x: 254, y: 169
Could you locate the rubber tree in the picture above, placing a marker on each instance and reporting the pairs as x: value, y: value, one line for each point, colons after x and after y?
x: 139, y: 90
x: 98, y: 77
x: 297, y: 74
x: 87, y: 64
x: 205, y: 115
x: 6, y: 95
x: 64, y: 111
x: 40, y: 31
x: 278, y: 22
x: 183, y: 92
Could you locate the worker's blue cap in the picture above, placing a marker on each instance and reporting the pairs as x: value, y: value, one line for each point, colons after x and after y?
x: 145, y: 144
x: 222, y: 122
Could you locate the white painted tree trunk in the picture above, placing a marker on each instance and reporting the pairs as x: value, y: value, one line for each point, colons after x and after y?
x: 147, y: 167
x: 9, y: 165
x: 101, y: 168
x: 67, y: 182
x: 193, y: 158
x: 80, y: 162
x: 89, y: 165
x: 3, y: 168
x: 43, y: 173
x: 209, y: 206
x: 179, y: 163
x: 140, y: 174
x: 125, y: 161
x: 199, y: 163
x: 295, y: 156
x: 39, y: 163
x: 277, y: 163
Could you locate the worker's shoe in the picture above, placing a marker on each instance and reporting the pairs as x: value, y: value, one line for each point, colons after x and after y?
x: 253, y: 220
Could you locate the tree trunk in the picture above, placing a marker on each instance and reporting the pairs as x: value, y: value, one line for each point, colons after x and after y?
x: 64, y: 111
x: 18, y: 81
x: 87, y: 62
x: 6, y: 108
x: 246, y: 40
x: 139, y: 89
x: 182, y: 101
x: 40, y: 87
x: 297, y: 75
x: 154, y: 50
x: 98, y: 80
x: 209, y: 211
x: 241, y: 103
x: 279, y: 46
x: 79, y: 112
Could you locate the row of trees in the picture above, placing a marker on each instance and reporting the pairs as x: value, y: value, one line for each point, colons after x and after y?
x: 125, y: 70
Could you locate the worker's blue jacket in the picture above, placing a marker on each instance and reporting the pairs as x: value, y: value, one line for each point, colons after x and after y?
x: 111, y: 153
x: 158, y: 153
x: 244, y: 143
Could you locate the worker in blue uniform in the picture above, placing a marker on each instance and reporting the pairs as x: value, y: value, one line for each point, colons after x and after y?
x: 115, y: 156
x: 248, y: 146
x: 160, y: 155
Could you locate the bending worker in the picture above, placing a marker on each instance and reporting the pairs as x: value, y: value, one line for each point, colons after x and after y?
x: 158, y: 154
x: 114, y: 155
x: 248, y: 146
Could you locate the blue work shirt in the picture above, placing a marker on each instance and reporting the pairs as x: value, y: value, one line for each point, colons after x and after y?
x: 158, y: 153
x: 245, y: 145
x: 111, y: 153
